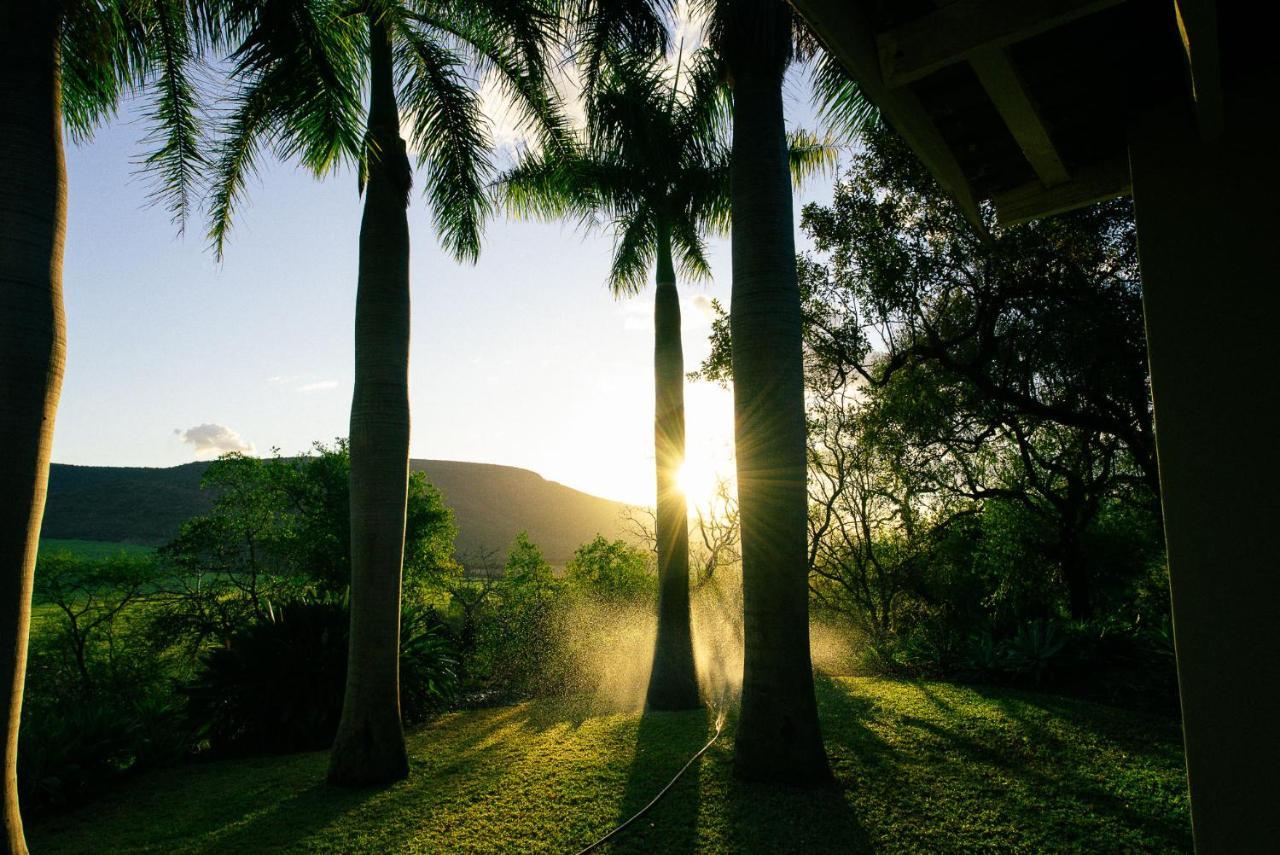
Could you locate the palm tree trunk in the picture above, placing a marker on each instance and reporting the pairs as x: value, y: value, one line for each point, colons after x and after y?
x: 33, y: 208
x: 673, y: 684
x: 778, y: 737
x: 369, y: 747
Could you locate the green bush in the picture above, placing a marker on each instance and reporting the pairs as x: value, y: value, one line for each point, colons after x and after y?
x: 98, y: 699
x: 611, y: 570
x: 278, y: 686
x: 519, y: 639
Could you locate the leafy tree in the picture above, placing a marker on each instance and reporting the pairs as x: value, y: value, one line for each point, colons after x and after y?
x: 523, y: 640
x: 1041, y: 322
x: 611, y: 570
x: 1028, y: 347
x: 1009, y: 367
x: 89, y: 595
x: 301, y: 73
x: 279, y: 529
x: 527, y: 569
x: 65, y: 64
x: 998, y: 383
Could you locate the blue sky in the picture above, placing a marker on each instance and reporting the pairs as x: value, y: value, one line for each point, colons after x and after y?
x: 523, y: 358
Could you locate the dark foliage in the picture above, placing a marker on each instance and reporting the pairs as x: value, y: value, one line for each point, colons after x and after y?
x: 277, y: 687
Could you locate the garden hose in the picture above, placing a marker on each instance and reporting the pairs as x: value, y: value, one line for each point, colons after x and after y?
x: 619, y: 829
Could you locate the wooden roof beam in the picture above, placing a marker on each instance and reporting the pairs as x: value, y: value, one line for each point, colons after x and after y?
x: 1198, y: 26
x: 948, y: 35
x: 1005, y: 88
x: 1090, y: 184
x: 845, y: 32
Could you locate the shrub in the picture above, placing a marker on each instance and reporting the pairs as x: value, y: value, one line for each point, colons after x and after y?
x: 278, y: 686
x: 1033, y: 650
x: 98, y: 700
x: 429, y: 663
x: 519, y: 644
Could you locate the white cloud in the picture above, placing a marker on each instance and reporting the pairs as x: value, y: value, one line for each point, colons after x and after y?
x: 702, y: 305
x: 211, y: 439
x: 637, y: 313
x: 318, y: 386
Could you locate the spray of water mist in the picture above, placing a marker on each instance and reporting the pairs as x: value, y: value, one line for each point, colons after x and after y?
x: 608, y: 647
x: 613, y: 652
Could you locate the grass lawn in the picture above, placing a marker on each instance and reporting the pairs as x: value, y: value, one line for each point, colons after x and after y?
x: 921, y: 766
x: 92, y: 548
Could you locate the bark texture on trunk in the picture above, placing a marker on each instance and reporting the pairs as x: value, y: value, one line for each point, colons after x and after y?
x: 778, y: 737
x: 33, y: 205
x: 369, y: 747
x: 673, y: 683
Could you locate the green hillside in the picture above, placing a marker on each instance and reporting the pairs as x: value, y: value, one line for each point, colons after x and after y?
x: 146, y: 506
x: 921, y: 767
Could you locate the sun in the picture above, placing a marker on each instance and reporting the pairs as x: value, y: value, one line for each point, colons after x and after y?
x: 698, y: 479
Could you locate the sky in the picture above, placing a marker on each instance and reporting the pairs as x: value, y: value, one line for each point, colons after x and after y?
x: 524, y: 358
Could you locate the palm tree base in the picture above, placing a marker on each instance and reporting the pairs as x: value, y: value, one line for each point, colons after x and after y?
x: 365, y: 756
x: 801, y: 769
x: 673, y: 681
x: 672, y: 696
x: 773, y: 747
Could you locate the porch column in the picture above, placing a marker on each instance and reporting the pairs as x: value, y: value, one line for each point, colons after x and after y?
x: 1209, y: 243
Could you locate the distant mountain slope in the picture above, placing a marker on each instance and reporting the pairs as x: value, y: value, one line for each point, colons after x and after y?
x: 491, y: 503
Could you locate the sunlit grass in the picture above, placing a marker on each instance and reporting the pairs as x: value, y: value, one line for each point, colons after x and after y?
x: 920, y: 766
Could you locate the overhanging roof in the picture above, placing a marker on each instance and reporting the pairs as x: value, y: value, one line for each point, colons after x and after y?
x: 1024, y: 102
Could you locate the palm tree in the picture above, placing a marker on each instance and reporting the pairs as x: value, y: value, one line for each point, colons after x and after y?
x: 655, y: 164
x: 778, y: 737
x: 63, y: 63
x: 301, y: 66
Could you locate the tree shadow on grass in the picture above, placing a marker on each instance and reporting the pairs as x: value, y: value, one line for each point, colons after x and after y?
x: 664, y: 743
x: 289, y: 821
x: 1046, y: 766
x: 776, y: 818
x: 298, y: 817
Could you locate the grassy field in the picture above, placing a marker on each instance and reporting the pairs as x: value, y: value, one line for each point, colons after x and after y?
x: 921, y: 766
x: 92, y: 548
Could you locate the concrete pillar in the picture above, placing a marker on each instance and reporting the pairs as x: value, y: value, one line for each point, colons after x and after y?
x: 1209, y: 243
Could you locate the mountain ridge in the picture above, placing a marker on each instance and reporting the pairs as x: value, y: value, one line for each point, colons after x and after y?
x: 492, y: 502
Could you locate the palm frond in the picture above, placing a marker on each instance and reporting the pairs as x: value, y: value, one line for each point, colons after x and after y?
x: 633, y: 253
x: 842, y: 106
x: 624, y: 27
x: 689, y: 247
x: 448, y: 132
x: 177, y: 160
x: 100, y: 55
x: 236, y: 158
x: 808, y: 155
x: 513, y: 41
x: 541, y: 185
x: 314, y: 54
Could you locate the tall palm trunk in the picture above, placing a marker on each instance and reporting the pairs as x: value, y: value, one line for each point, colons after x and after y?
x: 778, y: 738
x: 673, y: 685
x: 33, y: 208
x: 369, y: 747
